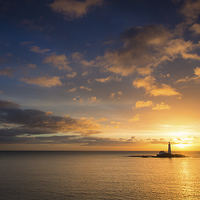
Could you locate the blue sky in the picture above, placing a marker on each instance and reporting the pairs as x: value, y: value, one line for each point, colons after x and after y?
x: 99, y: 74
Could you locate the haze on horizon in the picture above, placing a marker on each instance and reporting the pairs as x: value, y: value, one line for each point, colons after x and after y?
x: 100, y: 75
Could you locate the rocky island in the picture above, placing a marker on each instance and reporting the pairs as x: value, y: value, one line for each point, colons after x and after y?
x: 163, y: 154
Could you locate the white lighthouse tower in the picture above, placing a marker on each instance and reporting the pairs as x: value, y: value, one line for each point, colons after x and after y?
x: 169, y: 149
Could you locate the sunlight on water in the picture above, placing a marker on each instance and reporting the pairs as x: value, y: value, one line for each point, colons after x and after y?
x: 97, y: 175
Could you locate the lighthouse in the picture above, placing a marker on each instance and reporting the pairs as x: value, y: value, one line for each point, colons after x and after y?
x: 169, y: 148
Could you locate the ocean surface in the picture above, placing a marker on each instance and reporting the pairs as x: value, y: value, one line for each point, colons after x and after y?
x: 98, y: 175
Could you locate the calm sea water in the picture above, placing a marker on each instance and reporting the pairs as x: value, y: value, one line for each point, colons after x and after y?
x: 98, y: 175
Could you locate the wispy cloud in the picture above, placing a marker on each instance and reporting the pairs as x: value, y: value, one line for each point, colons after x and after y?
x: 33, y: 66
x: 93, y: 100
x: 85, y: 88
x: 196, y: 78
x: 71, y: 75
x: 7, y: 72
x: 73, y: 89
x: 37, y: 49
x: 108, y: 79
x: 73, y: 9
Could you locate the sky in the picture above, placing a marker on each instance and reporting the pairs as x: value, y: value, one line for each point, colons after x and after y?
x: 100, y: 75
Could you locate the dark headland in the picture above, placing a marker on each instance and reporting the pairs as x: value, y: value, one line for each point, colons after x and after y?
x: 163, y: 154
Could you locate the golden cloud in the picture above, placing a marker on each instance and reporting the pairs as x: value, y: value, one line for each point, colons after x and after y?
x: 93, y: 100
x: 161, y: 106
x: 44, y: 81
x: 73, y: 89
x: 85, y: 88
x: 195, y: 78
x: 59, y: 61
x: 140, y: 104
x: 135, y: 118
x: 153, y: 88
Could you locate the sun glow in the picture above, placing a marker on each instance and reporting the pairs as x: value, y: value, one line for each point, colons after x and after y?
x: 182, y: 145
x: 180, y: 133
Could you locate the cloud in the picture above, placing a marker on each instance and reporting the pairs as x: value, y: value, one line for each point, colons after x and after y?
x: 102, y: 119
x: 197, y: 71
x: 141, y: 50
x: 89, y: 132
x: 179, y: 48
x: 84, y: 73
x: 144, y: 49
x: 36, y: 24
x: 39, y: 120
x: 195, y: 78
x: 83, y: 140
x: 163, y: 90
x: 85, y: 88
x: 7, y: 72
x: 8, y: 104
x: 73, y: 89
x: 43, y: 81
x: 71, y: 75
x: 77, y: 56
x: 195, y: 28
x: 140, y: 104
x: 112, y: 95
x: 48, y: 113
x: 191, y: 10
x: 73, y: 9
x: 153, y: 88
x: 59, y: 61
x: 33, y: 66
x: 79, y: 99
x: 108, y: 79
x: 37, y: 49
x: 161, y: 106
x: 135, y: 118
x: 93, y: 100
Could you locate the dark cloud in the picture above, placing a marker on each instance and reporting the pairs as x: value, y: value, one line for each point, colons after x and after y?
x: 67, y: 139
x: 8, y: 104
x: 89, y: 132
x: 13, y: 132
x: 25, y: 126
x: 31, y: 118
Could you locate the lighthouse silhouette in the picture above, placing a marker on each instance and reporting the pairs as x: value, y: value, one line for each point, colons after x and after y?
x: 169, y: 148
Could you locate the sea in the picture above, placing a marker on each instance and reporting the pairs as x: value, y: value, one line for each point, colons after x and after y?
x: 98, y: 175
